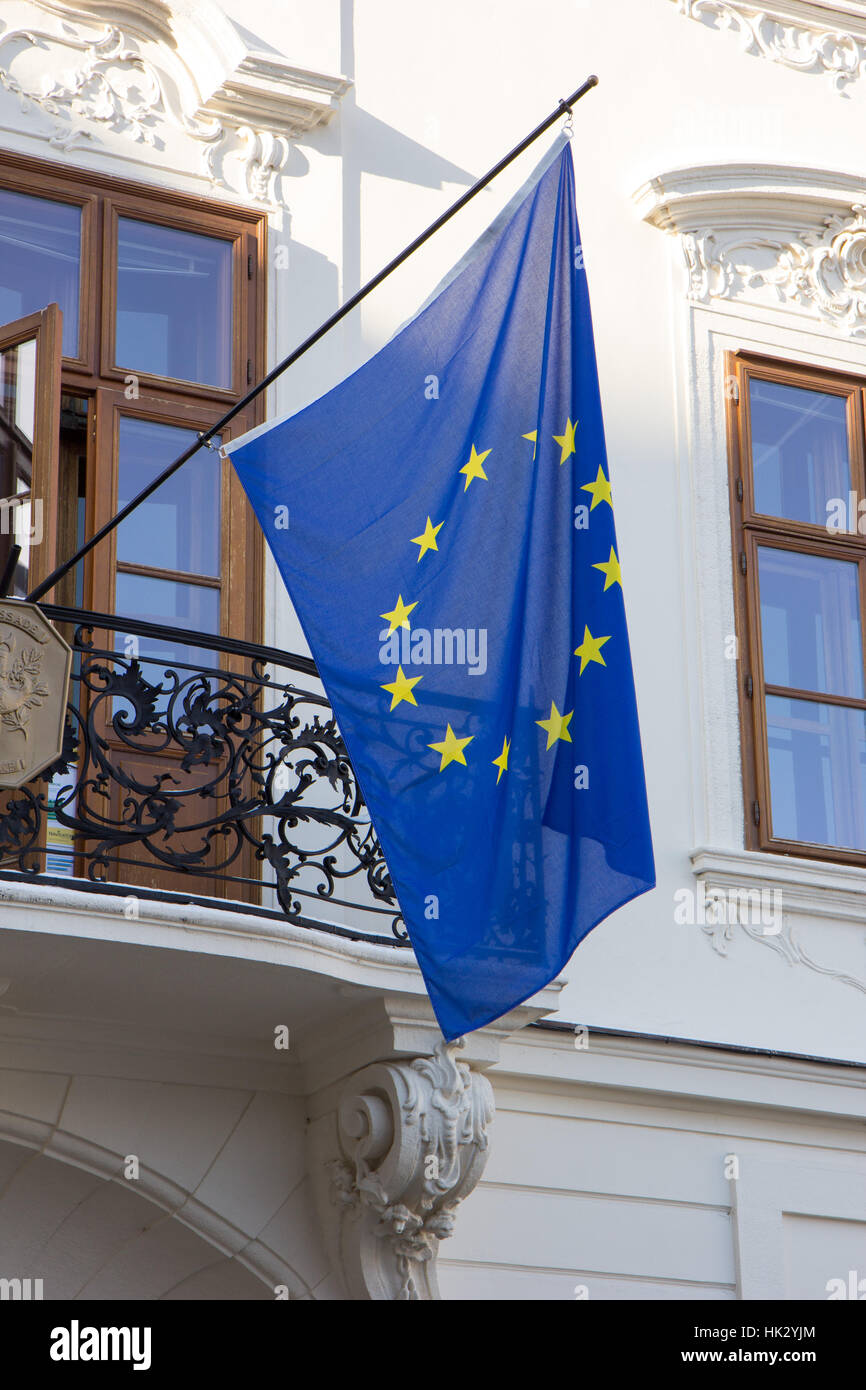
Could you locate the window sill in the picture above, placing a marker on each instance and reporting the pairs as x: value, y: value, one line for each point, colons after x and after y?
x: 808, y: 889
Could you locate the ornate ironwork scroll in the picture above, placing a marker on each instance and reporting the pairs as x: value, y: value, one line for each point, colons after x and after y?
x: 202, y: 771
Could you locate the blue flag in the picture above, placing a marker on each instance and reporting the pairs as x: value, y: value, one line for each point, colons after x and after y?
x: 450, y: 552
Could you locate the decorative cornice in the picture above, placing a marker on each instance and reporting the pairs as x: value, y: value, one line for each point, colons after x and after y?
x: 808, y: 35
x: 115, y: 73
x: 793, y: 239
x: 265, y: 91
x: 661, y: 1070
x: 413, y: 1140
x: 740, y: 195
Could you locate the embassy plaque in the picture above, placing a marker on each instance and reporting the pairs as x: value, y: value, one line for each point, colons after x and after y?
x: 35, y: 663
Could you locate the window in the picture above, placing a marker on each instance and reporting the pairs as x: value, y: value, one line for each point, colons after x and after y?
x: 41, y: 259
x: 798, y: 494
x: 161, y: 303
x: 174, y: 303
x: 155, y: 328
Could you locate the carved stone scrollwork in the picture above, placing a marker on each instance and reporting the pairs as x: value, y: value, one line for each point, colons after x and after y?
x: 161, y: 76
x: 792, y: 32
x: 827, y: 273
x: 768, y: 237
x: 413, y: 1140
x: 823, y: 273
x: 111, y: 85
x: 786, y: 943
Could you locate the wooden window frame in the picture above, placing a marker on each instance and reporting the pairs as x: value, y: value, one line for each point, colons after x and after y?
x: 111, y: 406
x: 93, y: 374
x: 219, y: 228
x: 751, y: 530
x: 45, y: 329
x: 42, y: 179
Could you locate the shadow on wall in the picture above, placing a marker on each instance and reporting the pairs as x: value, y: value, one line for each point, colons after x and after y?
x: 367, y: 146
x: 370, y: 146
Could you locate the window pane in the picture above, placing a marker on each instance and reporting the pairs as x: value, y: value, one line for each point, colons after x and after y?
x: 799, y: 451
x: 174, y: 303
x: 810, y: 622
x: 40, y: 256
x: 817, y: 772
x: 178, y: 528
x: 173, y: 604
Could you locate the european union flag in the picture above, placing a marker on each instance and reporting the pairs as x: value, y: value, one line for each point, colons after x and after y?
x: 451, y: 555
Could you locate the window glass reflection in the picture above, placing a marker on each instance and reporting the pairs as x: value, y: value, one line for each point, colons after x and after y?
x: 173, y: 604
x: 810, y: 622
x: 817, y: 758
x: 174, y: 303
x: 799, y: 451
x: 178, y: 528
x: 40, y: 258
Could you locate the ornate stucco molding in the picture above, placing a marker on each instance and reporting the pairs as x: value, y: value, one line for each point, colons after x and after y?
x: 771, y: 900
x: 809, y: 35
x: 166, y: 76
x: 790, y: 239
x: 412, y: 1144
x: 824, y: 272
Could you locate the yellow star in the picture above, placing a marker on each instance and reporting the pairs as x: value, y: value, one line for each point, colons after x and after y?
x: 399, y: 616
x: 502, y: 761
x: 556, y: 726
x: 401, y: 689
x: 600, y: 489
x: 611, y: 570
x: 427, y: 541
x: 567, y: 441
x: 590, y: 650
x: 473, y: 468
x: 533, y: 439
x: 451, y: 748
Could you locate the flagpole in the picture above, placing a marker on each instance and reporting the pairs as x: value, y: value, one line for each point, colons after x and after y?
x: 204, y: 438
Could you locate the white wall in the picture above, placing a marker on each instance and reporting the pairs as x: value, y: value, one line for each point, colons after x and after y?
x: 634, y: 1170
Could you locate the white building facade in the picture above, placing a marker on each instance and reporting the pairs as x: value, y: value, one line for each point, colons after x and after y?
x: 205, y: 1096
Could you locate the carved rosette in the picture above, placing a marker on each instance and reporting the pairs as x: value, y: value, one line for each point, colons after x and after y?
x: 413, y: 1140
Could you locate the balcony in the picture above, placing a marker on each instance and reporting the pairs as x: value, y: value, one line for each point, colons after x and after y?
x: 206, y: 770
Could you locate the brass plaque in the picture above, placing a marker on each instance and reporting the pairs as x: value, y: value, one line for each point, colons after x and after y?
x: 35, y: 663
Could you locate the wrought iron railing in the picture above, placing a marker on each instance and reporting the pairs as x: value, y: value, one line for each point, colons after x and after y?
x: 187, y: 780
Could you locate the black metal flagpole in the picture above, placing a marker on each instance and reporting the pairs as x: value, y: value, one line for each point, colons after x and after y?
x: 206, y: 436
